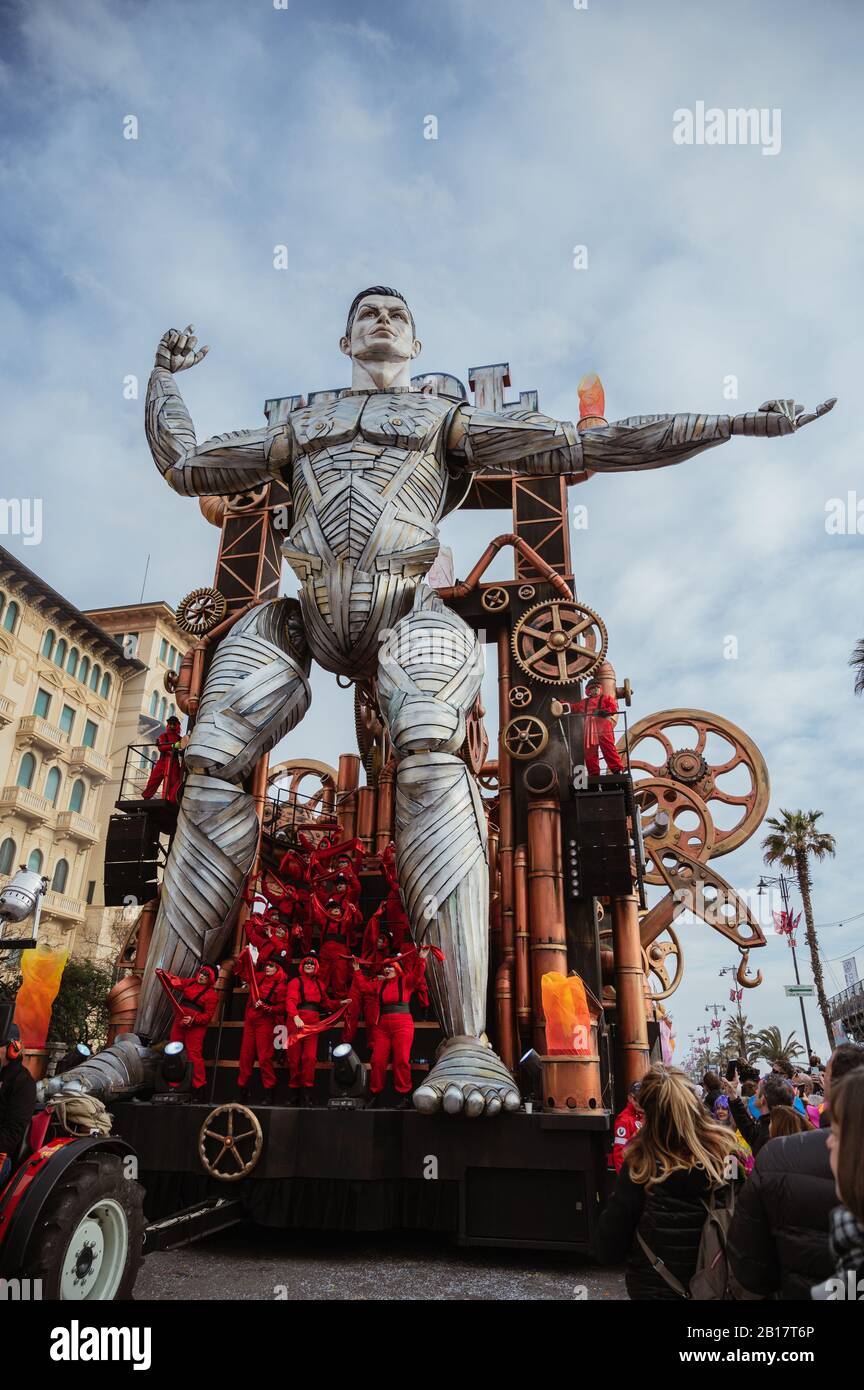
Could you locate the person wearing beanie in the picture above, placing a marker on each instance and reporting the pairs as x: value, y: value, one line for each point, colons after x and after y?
x: 600, y: 711
x: 265, y: 1011
x: 168, y: 767
x: 338, y: 921
x: 375, y: 952
x: 307, y: 1002
x: 196, y: 995
x: 392, y: 990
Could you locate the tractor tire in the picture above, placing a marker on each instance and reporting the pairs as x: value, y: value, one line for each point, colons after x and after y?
x: 90, y: 1238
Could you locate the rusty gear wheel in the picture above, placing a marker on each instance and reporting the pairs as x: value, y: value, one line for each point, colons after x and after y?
x: 202, y: 610
x: 559, y: 642
x: 525, y: 737
x: 495, y: 599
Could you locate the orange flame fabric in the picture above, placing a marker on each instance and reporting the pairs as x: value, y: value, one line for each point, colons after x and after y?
x: 568, y: 1018
x: 592, y: 397
x: 42, y: 971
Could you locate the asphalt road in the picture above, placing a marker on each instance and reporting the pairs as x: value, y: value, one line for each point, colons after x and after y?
x: 261, y: 1265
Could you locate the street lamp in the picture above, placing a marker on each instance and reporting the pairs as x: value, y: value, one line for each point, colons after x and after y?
x: 783, y: 884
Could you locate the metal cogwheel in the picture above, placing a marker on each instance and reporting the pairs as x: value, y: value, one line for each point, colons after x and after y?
x: 495, y: 599
x: 520, y: 697
x: 559, y: 641
x: 202, y: 610
x: 524, y: 737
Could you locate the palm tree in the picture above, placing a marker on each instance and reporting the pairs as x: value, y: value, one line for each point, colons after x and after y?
x: 740, y: 1037
x: 769, y: 1044
x: 794, y: 837
x: 857, y: 660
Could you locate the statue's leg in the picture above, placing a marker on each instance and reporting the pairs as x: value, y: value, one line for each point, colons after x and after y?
x: 430, y: 672
x: 256, y: 691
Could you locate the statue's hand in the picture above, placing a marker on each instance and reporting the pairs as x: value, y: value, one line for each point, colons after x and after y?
x: 785, y: 417
x: 176, y: 351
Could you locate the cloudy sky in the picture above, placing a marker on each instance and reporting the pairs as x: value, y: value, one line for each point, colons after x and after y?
x: 303, y: 126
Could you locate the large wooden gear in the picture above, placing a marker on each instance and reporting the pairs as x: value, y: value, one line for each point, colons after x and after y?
x: 559, y: 641
x: 238, y: 1150
x: 202, y: 610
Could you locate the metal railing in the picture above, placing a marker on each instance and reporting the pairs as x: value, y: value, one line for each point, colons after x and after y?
x: 852, y: 994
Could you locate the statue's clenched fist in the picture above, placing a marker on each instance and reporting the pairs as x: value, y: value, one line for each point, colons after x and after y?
x: 177, y: 351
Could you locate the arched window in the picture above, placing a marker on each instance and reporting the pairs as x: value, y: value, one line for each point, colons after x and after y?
x: 11, y: 617
x: 3, y: 605
x: 72, y: 663
x: 52, y: 785
x: 35, y: 862
x: 26, y: 771
x: 105, y: 688
x: 154, y: 704
x: 7, y: 855
x: 61, y: 874
x: 163, y: 707
x: 84, y: 669
x: 48, y: 643
x: 60, y: 653
x: 76, y: 796
x: 171, y: 710
x: 94, y: 677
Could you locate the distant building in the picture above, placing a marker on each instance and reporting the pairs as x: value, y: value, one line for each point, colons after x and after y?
x: 75, y: 689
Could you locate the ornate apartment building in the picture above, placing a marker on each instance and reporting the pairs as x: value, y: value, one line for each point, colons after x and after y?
x: 76, y: 688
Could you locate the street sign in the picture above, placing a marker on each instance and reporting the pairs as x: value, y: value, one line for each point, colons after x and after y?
x: 799, y: 991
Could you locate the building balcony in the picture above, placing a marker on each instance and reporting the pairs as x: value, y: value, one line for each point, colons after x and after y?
x: 29, y: 805
x: 96, y: 765
x: 7, y: 711
x: 77, y: 827
x: 41, y: 733
x: 68, y: 910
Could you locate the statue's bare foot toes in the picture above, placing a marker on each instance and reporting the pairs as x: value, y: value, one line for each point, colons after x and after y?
x: 468, y: 1078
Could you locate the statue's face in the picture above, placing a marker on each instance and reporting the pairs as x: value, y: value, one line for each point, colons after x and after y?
x: 381, y: 331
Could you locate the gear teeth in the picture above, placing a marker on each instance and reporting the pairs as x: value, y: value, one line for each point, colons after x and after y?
x: 544, y: 607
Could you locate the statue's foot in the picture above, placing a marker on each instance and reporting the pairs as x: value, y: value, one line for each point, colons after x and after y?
x: 468, y: 1078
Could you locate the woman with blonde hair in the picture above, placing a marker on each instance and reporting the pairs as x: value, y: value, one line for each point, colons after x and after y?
x: 655, y: 1216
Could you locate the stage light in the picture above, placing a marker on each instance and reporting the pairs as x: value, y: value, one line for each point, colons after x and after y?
x: 347, y: 1079
x: 174, y: 1063
x: 530, y: 1071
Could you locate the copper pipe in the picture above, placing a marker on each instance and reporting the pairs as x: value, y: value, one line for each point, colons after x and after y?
x: 504, y: 1012
x: 258, y: 791
x: 466, y: 586
x: 386, y: 802
x: 367, y: 805
x: 522, y: 965
x: 346, y: 794
x: 632, y: 1027
x: 547, y: 931
x: 122, y: 1002
x: 196, y: 679
x: 145, y: 933
x: 607, y: 965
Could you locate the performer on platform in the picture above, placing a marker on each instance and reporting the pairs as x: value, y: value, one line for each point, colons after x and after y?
x: 196, y: 995
x: 339, y: 922
x: 374, y: 954
x: 394, y: 1026
x: 599, y: 711
x: 307, y: 1002
x: 265, y: 1011
x: 168, y: 767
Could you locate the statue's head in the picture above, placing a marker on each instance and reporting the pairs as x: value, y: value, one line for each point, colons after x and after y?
x: 380, y: 327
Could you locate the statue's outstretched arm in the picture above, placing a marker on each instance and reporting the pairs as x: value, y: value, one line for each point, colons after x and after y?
x: 526, y: 442
x: 225, y: 464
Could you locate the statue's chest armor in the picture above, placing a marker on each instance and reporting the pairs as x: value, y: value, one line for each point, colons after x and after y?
x: 369, y: 478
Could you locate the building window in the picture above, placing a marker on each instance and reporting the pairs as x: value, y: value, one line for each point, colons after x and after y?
x: 172, y: 656
x: 7, y: 855
x: 35, y: 862
x: 72, y: 663
x: 105, y: 688
x: 163, y: 709
x: 61, y: 875
x: 91, y: 891
x: 11, y: 617
x: 84, y: 670
x: 52, y: 785
x: 26, y: 771
x: 90, y: 732
x: 76, y: 798
x: 42, y: 703
x: 67, y: 719
x: 60, y: 653
x: 94, y: 677
x: 163, y: 650
x: 48, y: 644
x: 154, y: 704
x: 171, y: 711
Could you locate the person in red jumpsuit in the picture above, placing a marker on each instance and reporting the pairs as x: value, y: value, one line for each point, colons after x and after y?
x: 278, y: 947
x: 599, y: 711
x: 196, y: 995
x: 307, y: 1002
x: 168, y: 766
x: 626, y: 1126
x: 263, y: 1016
x: 394, y: 1028
x: 374, y: 955
x: 338, y: 922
